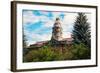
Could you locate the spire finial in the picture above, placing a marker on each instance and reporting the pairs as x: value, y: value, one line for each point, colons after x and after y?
x: 57, y: 18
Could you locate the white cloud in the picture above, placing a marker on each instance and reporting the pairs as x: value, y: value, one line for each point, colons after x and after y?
x: 37, y: 38
x: 49, y: 23
x: 89, y: 18
x: 33, y: 37
x: 66, y: 35
x: 29, y: 17
x: 69, y: 18
x: 68, y: 21
x: 56, y: 14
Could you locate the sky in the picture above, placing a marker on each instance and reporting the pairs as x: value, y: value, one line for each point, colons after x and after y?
x: 38, y: 24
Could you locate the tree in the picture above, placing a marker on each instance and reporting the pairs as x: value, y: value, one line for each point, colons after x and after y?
x: 25, y: 50
x: 81, y: 32
x: 24, y: 41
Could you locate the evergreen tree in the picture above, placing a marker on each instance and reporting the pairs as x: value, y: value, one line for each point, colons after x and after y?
x: 25, y: 50
x: 24, y: 41
x: 81, y: 32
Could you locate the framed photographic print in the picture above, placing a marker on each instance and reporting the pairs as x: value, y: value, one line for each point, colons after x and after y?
x: 47, y: 36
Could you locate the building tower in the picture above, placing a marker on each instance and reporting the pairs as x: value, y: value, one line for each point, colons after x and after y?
x: 56, y: 32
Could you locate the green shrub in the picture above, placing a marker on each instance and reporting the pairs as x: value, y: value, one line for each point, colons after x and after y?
x: 80, y: 51
x: 48, y: 53
x: 45, y: 53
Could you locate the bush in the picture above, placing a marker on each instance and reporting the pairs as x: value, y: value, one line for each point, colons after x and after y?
x: 80, y: 51
x: 48, y: 53
x: 45, y: 53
